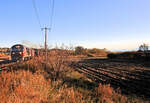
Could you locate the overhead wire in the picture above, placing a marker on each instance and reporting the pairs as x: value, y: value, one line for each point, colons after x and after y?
x: 36, y: 12
x: 52, y: 13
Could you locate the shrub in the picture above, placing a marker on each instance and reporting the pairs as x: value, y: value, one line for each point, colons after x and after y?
x: 79, y: 50
x: 112, y: 56
x: 107, y: 94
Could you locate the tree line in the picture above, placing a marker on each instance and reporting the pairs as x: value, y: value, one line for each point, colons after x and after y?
x: 79, y: 50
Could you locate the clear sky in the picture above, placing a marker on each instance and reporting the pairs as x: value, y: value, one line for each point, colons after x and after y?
x: 111, y: 24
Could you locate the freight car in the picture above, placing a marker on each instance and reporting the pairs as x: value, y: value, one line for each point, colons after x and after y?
x: 21, y: 52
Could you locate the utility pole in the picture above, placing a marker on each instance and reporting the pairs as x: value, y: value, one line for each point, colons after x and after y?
x: 46, y: 56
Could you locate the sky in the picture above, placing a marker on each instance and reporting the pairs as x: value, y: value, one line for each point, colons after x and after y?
x: 110, y: 24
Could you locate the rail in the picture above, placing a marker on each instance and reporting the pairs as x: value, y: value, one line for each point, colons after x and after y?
x: 117, y: 75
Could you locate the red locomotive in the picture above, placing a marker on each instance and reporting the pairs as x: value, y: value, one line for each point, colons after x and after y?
x: 21, y: 52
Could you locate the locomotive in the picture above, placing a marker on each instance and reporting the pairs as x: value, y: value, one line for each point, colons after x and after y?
x: 21, y: 52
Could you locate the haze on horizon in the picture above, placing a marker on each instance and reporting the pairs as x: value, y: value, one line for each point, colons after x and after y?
x: 111, y: 24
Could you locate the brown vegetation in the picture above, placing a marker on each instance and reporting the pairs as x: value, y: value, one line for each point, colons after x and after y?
x: 23, y: 87
x: 95, y: 52
x: 140, y: 55
x: 36, y: 81
x: 2, y: 54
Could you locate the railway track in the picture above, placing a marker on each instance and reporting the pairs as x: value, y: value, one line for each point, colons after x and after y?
x: 130, y: 81
x: 6, y: 65
x: 126, y: 74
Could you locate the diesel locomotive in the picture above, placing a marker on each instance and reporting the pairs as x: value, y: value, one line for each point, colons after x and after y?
x: 21, y: 52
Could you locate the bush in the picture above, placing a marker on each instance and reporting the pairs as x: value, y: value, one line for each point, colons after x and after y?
x: 90, y: 55
x: 2, y: 54
x: 112, y: 56
x: 107, y: 94
x: 79, y: 50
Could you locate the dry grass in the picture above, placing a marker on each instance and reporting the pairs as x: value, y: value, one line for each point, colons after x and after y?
x: 2, y: 54
x: 37, y: 82
x: 66, y: 95
x: 107, y: 94
x: 23, y: 87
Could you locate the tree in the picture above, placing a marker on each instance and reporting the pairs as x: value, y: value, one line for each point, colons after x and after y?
x: 80, y: 50
x: 144, y: 47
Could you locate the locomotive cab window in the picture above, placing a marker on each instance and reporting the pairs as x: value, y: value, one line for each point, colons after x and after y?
x: 17, y: 48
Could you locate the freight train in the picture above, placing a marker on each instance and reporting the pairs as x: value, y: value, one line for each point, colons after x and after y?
x: 21, y: 52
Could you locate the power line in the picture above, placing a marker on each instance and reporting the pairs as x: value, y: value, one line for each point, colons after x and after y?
x: 36, y: 12
x: 45, y: 29
x: 52, y: 13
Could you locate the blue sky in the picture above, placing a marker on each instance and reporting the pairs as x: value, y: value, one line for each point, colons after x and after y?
x: 111, y: 24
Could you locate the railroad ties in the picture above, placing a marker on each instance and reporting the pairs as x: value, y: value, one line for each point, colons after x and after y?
x: 130, y: 78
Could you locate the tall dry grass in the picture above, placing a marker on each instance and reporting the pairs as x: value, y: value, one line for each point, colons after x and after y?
x: 23, y: 87
x: 37, y: 81
x: 2, y: 54
x: 106, y: 94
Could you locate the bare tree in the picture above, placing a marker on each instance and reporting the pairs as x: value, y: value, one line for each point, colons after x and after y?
x: 144, y: 47
x: 58, y: 63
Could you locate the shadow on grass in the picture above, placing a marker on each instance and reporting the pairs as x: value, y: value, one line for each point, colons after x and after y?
x: 80, y: 83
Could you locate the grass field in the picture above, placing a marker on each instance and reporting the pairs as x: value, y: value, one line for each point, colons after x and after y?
x: 58, y: 82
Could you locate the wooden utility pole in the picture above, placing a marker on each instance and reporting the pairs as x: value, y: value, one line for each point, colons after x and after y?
x: 46, y: 56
